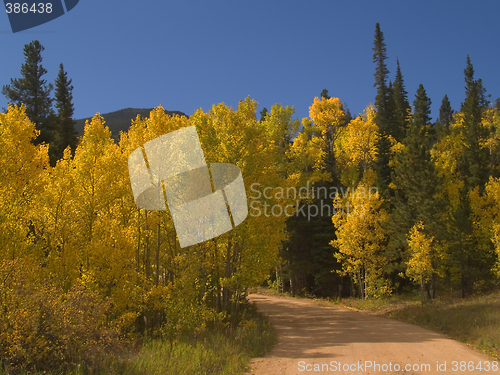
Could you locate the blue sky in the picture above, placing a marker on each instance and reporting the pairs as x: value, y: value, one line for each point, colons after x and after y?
x: 187, y: 55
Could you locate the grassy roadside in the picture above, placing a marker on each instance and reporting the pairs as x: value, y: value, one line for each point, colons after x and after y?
x: 215, y: 351
x: 474, y: 321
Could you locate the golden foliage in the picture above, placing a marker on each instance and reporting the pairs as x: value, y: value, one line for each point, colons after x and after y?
x: 359, y: 220
x: 358, y: 142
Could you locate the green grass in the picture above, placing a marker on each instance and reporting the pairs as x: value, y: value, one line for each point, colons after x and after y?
x: 215, y: 351
x: 212, y: 353
x: 474, y: 321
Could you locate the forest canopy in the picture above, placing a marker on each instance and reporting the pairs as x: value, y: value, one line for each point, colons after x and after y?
x: 415, y: 205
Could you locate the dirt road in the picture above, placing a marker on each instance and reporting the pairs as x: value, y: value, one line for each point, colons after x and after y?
x: 319, y: 339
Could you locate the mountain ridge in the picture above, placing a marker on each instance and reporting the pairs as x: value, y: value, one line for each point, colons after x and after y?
x: 121, y: 119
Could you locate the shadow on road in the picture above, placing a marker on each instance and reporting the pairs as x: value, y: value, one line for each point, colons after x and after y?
x: 307, y: 328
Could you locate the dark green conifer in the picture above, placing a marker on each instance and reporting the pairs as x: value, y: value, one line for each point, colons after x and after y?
x: 65, y: 132
x: 415, y: 181
x: 33, y: 91
x: 466, y: 254
x: 445, y: 117
x: 402, y: 106
x: 384, y: 104
x: 474, y: 163
x: 263, y: 114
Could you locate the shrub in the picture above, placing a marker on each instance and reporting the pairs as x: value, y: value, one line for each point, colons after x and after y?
x: 43, y: 327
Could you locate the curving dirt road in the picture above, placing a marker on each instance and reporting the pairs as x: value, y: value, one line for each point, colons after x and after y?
x: 320, y: 339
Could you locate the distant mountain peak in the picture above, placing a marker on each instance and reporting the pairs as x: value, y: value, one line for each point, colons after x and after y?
x: 122, y: 119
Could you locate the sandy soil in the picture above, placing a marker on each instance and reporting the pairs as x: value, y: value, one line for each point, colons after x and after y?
x: 320, y: 339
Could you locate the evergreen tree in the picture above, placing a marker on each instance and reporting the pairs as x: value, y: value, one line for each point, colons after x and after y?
x: 445, y: 112
x: 33, y: 91
x: 415, y: 180
x: 393, y: 129
x: 263, y: 114
x: 308, y: 253
x: 65, y: 132
x: 445, y: 117
x: 474, y: 164
x: 470, y: 262
x: 421, y: 114
x: 385, y: 107
x: 324, y: 94
x: 348, y: 116
x: 381, y: 71
x: 402, y: 106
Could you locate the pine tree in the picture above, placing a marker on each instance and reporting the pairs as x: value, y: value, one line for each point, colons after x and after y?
x: 385, y: 107
x: 402, y: 106
x: 381, y: 71
x: 33, y: 91
x: 474, y: 166
x: 421, y: 112
x: 324, y: 94
x: 415, y: 180
x: 65, y: 133
x: 445, y: 117
x: 263, y: 114
x: 348, y: 116
x: 393, y: 129
x: 473, y: 171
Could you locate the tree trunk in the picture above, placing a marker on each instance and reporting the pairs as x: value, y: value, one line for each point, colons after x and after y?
x: 422, y: 288
x: 360, y: 281
x: 365, y: 284
x: 227, y: 275
x: 147, y: 261
x: 138, y: 252
x: 158, y: 241
x: 433, y: 286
